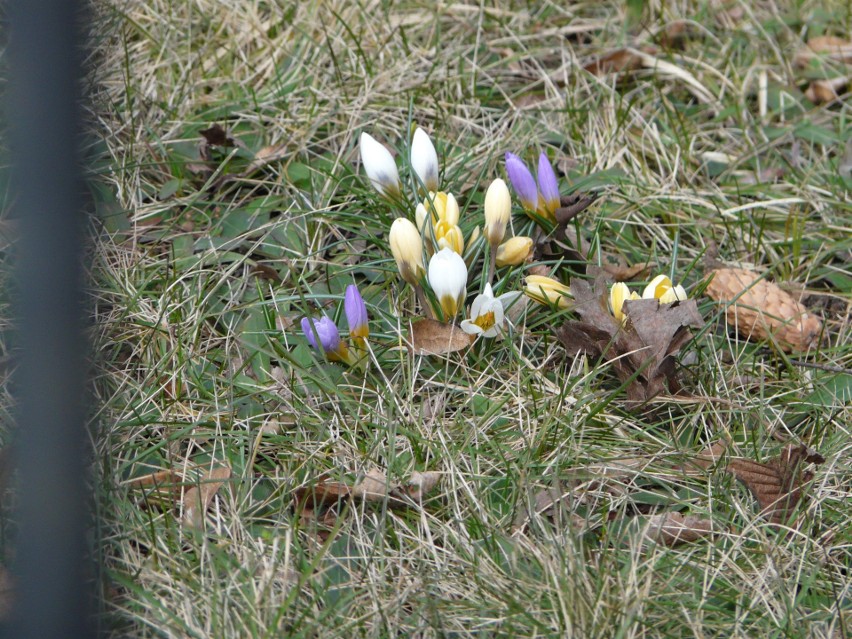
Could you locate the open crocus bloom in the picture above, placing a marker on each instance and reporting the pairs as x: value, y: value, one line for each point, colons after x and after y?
x: 487, y: 313
x: 661, y: 288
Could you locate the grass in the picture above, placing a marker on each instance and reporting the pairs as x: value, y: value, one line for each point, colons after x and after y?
x: 198, y: 293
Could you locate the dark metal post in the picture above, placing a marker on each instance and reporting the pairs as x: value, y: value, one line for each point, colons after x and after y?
x: 44, y: 123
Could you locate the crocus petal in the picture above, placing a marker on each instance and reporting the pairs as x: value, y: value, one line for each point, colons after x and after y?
x: 448, y: 278
x: 657, y: 287
x: 424, y: 159
x: 326, y: 330
x: 522, y: 181
x: 548, y: 186
x: 356, y: 312
x: 379, y: 165
x: 674, y: 294
x: 617, y: 294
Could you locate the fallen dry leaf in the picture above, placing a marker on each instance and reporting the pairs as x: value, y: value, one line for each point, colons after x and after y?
x: 315, y: 502
x: 564, y: 243
x: 266, y: 155
x: 672, y: 529
x: 759, y: 308
x: 822, y: 91
x: 710, y: 455
x: 778, y: 484
x: 552, y: 503
x: 826, y: 47
x: 197, y: 499
x: 161, y: 489
x: 217, y: 136
x: 431, y: 337
x: 624, y: 273
x: 614, y: 62
x: 643, y: 351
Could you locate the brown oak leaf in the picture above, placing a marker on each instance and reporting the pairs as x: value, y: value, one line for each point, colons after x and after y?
x: 431, y: 337
x: 197, y: 499
x: 642, y: 352
x: 674, y: 528
x: 778, y: 484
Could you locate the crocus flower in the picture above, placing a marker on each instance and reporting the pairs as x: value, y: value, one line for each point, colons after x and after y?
x: 444, y: 219
x: 407, y: 248
x: 617, y: 296
x: 546, y: 290
x: 379, y: 165
x: 514, y: 251
x: 522, y: 181
x: 661, y: 288
x: 548, y: 187
x: 448, y: 278
x: 487, y: 313
x: 329, y: 338
x: 424, y: 159
x: 498, y: 210
x: 356, y: 312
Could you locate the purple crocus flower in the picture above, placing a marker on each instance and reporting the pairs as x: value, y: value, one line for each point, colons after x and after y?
x: 548, y: 187
x: 356, y: 312
x: 522, y: 181
x: 327, y: 332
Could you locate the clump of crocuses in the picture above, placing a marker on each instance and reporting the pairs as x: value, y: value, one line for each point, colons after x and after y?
x: 323, y: 335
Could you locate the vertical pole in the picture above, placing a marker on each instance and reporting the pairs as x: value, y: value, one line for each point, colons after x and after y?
x: 44, y: 123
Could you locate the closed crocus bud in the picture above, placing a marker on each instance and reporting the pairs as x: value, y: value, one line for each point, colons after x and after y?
x: 657, y: 287
x: 379, y: 165
x: 522, y: 181
x: 448, y: 279
x: 407, y: 248
x: 356, y: 312
x: 514, y: 251
x: 498, y: 209
x: 424, y: 159
x: 546, y: 290
x: 548, y: 186
x: 326, y: 331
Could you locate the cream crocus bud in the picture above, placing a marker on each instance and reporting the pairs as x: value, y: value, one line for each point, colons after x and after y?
x: 407, y: 248
x: 448, y: 279
x: 674, y: 294
x: 424, y: 159
x: 514, y: 251
x: 546, y: 290
x: 379, y: 165
x: 498, y: 209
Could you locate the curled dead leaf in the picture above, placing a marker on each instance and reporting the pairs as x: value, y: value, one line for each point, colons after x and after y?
x: 822, y: 91
x: 779, y: 484
x: 642, y: 353
x: 431, y: 337
x: 197, y: 499
x: 672, y: 529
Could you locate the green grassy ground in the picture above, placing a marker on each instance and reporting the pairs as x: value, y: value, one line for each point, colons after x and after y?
x: 203, y: 274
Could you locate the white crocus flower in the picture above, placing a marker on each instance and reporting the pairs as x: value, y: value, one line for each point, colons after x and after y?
x: 448, y: 278
x: 487, y: 313
x: 424, y: 159
x: 379, y: 165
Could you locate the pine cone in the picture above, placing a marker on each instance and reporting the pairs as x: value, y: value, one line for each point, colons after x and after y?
x: 761, y: 309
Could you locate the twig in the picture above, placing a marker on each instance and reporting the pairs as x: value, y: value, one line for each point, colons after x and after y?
x: 822, y: 367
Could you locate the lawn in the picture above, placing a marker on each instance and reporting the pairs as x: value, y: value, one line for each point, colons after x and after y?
x: 248, y: 484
